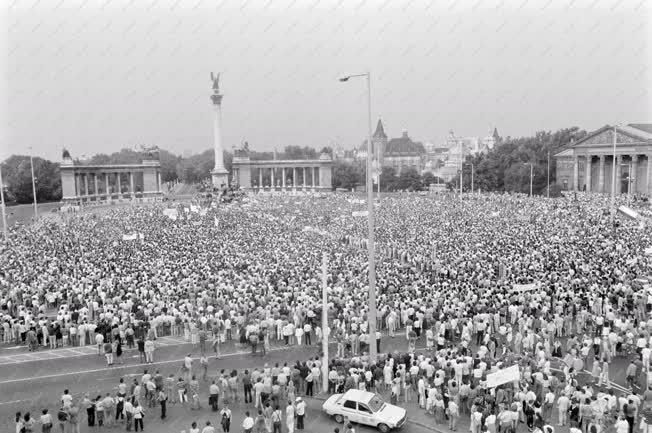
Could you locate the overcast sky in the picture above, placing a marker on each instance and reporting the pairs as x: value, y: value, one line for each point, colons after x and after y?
x: 98, y: 75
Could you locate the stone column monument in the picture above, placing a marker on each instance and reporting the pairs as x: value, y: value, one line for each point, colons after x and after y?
x: 219, y: 174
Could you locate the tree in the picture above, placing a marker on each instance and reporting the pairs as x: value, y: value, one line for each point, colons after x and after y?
x: 504, y: 167
x: 428, y: 178
x: 197, y: 167
x: 169, y: 163
x: 346, y: 175
x: 409, y: 180
x: 298, y: 152
x: 388, y: 179
x: 17, y: 175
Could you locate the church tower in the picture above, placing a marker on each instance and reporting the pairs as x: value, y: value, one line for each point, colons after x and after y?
x: 379, y: 142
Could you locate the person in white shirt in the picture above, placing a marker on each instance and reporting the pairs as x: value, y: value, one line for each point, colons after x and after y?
x: 621, y: 426
x: 248, y: 423
x: 209, y: 428
x: 300, y: 411
x: 187, y: 365
x: 289, y: 417
x: 562, y: 404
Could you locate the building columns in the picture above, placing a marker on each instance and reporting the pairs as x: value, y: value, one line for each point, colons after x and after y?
x: 633, y: 175
x: 294, y: 177
x: 575, y: 173
x: 601, y: 175
x: 283, y: 174
x: 131, y: 184
x: 106, y: 183
x: 260, y: 178
x: 97, y: 190
x: 272, y: 177
x: 304, y: 178
x: 158, y: 183
x: 117, y: 179
x: 648, y: 180
x: 77, y: 186
x: 589, y: 158
x: 619, y: 184
x: 312, y: 170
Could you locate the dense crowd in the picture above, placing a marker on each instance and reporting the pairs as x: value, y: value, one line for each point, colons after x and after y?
x: 483, y: 282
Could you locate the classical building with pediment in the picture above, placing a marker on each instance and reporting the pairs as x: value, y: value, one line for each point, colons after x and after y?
x: 588, y: 164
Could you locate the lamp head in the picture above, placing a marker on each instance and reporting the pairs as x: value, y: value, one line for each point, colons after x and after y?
x: 343, y: 79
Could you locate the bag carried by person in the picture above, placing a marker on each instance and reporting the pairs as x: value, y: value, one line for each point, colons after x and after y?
x: 62, y: 416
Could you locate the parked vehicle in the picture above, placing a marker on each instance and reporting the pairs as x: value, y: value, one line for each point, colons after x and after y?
x: 364, y: 407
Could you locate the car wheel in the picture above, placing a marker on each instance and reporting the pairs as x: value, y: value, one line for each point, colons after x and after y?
x: 339, y: 419
x: 384, y: 428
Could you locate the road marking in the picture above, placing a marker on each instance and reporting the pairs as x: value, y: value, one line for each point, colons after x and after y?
x: 97, y: 370
x: 11, y: 402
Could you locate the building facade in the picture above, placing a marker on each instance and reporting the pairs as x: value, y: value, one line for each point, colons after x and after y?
x: 589, y: 164
x: 83, y: 183
x: 282, y: 175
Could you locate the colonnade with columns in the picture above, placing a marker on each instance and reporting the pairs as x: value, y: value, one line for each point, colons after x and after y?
x: 633, y: 173
x: 285, y: 177
x: 106, y: 182
x: 282, y: 175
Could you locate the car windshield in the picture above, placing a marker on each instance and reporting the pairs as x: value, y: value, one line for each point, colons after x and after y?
x: 376, y: 403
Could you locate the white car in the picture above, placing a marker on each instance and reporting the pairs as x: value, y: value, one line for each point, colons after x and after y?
x: 364, y: 407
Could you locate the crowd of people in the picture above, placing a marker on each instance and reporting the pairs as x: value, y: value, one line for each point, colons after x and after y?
x: 556, y: 286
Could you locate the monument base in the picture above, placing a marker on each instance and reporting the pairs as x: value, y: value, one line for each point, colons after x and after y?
x: 220, y: 178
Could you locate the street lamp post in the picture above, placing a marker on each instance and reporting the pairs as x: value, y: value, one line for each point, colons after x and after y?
x: 2, y: 206
x: 472, y: 169
x: 31, y: 163
x: 613, y: 176
x: 548, y: 177
x: 370, y: 220
x: 531, y: 175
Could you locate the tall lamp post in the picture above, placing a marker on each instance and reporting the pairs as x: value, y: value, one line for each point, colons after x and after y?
x: 531, y: 175
x: 2, y: 206
x: 370, y: 220
x: 472, y: 169
x: 613, y: 173
x: 31, y: 163
x: 548, y: 177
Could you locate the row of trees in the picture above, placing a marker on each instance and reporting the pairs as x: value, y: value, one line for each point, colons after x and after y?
x: 505, y: 168
x: 350, y: 175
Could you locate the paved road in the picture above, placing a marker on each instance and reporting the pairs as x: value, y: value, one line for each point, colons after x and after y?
x: 31, y: 381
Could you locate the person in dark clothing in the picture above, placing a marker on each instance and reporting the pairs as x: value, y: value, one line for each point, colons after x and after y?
x: 141, y: 349
x: 162, y: 399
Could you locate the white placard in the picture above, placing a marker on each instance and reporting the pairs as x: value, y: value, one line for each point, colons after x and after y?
x: 506, y: 375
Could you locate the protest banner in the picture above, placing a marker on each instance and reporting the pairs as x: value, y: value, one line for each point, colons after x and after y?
x: 131, y: 237
x: 506, y: 375
x: 171, y: 213
x: 524, y: 287
x: 363, y: 213
x: 628, y: 212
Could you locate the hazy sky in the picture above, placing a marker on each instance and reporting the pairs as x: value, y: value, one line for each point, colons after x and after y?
x: 99, y: 75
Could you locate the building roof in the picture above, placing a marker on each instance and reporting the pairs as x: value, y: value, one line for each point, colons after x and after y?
x: 647, y: 127
x: 495, y: 134
x: 404, y: 145
x: 380, y: 131
x: 637, y: 131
